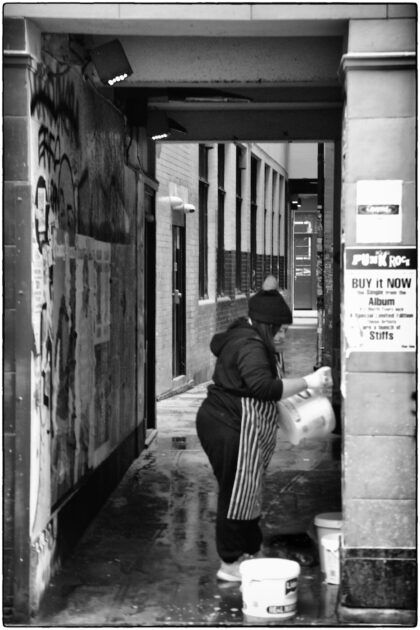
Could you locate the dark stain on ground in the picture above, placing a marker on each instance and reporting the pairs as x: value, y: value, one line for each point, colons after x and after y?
x: 299, y: 547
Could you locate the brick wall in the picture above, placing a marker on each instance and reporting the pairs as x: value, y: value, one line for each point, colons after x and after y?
x: 282, y: 272
x: 177, y: 173
x: 229, y: 310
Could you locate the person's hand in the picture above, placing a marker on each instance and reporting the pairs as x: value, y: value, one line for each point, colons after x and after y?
x: 321, y: 379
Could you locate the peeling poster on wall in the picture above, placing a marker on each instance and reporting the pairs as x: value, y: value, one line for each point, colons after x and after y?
x: 93, y: 329
x: 380, y: 299
x: 102, y: 264
x: 379, y: 213
x: 85, y: 354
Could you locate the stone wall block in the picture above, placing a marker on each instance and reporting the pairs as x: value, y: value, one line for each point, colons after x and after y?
x: 379, y: 523
x: 381, y: 149
x: 16, y: 150
x: 381, y: 404
x: 348, y: 212
x: 9, y: 395
x: 9, y: 258
x: 382, y: 362
x: 376, y: 94
x: 382, y: 35
x: 9, y: 360
x: 15, y: 99
x: 14, y: 34
x: 380, y: 467
x: 379, y: 582
x: 9, y: 214
x: 9, y: 469
x: 409, y: 204
x: 403, y: 10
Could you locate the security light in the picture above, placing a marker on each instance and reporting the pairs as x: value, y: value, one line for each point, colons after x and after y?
x: 159, y: 126
x: 178, y: 204
x: 111, y: 62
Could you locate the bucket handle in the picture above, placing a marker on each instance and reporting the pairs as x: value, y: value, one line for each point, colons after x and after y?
x: 305, y: 394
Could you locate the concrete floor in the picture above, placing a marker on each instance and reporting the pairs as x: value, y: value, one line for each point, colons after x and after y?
x: 149, y: 558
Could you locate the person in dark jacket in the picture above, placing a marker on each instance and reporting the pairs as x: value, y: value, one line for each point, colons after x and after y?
x: 237, y: 421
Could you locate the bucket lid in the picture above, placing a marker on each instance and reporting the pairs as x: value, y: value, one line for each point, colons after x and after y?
x: 329, y: 519
x: 269, y: 568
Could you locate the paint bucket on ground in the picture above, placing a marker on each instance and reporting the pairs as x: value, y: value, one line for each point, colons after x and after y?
x: 330, y: 550
x: 269, y: 588
x: 305, y: 415
x: 327, y: 523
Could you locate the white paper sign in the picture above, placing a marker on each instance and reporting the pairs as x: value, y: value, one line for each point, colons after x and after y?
x: 380, y: 299
x: 378, y: 212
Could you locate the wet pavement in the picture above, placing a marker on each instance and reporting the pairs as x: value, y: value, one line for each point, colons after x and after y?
x: 149, y: 557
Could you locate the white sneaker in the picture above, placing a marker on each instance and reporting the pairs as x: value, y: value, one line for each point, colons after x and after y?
x: 229, y: 571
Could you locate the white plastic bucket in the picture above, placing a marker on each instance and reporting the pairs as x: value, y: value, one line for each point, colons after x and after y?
x: 326, y: 523
x: 330, y: 546
x: 305, y: 415
x: 269, y: 588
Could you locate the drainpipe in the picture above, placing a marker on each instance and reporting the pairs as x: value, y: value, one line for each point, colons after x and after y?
x: 320, y: 260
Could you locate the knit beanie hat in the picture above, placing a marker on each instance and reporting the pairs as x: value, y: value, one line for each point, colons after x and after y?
x: 268, y: 306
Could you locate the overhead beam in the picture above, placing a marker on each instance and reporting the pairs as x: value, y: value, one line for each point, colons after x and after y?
x: 201, y: 19
x: 259, y: 126
x: 233, y: 61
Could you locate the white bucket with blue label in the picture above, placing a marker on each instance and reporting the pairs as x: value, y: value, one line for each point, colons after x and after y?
x: 269, y: 588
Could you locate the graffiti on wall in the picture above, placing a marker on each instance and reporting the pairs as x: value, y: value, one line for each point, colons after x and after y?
x: 43, y: 558
x: 71, y: 285
x: 54, y: 100
x: 83, y: 369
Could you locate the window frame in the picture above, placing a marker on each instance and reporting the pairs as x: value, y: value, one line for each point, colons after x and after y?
x: 203, y: 193
x: 221, y: 196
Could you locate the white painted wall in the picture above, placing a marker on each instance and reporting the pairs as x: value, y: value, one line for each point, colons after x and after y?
x: 303, y: 161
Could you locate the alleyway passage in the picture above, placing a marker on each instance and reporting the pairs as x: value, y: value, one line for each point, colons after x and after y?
x: 149, y: 557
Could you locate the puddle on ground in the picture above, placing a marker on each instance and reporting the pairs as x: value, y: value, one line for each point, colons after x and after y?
x: 179, y: 443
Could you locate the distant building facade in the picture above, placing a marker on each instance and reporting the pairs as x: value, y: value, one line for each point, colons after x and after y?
x: 210, y: 260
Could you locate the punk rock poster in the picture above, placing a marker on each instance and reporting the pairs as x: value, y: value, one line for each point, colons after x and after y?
x: 380, y: 299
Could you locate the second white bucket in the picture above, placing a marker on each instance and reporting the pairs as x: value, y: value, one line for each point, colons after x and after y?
x: 326, y: 523
x: 330, y: 550
x: 269, y: 588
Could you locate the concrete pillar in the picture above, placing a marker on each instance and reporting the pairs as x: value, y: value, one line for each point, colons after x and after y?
x: 212, y: 220
x: 21, y: 44
x: 378, y: 574
x: 230, y: 218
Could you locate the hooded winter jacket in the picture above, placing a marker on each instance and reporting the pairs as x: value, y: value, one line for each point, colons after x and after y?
x: 245, y: 368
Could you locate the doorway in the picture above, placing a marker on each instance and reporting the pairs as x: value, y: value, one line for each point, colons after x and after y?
x: 178, y: 301
x: 149, y: 310
x: 304, y: 248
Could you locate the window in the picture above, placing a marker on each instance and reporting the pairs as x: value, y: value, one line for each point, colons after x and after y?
x: 203, y: 186
x: 273, y: 220
x: 266, y: 214
x: 303, y: 227
x: 238, y: 258
x: 303, y: 248
x: 254, y: 207
x: 221, y: 193
x: 272, y: 245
